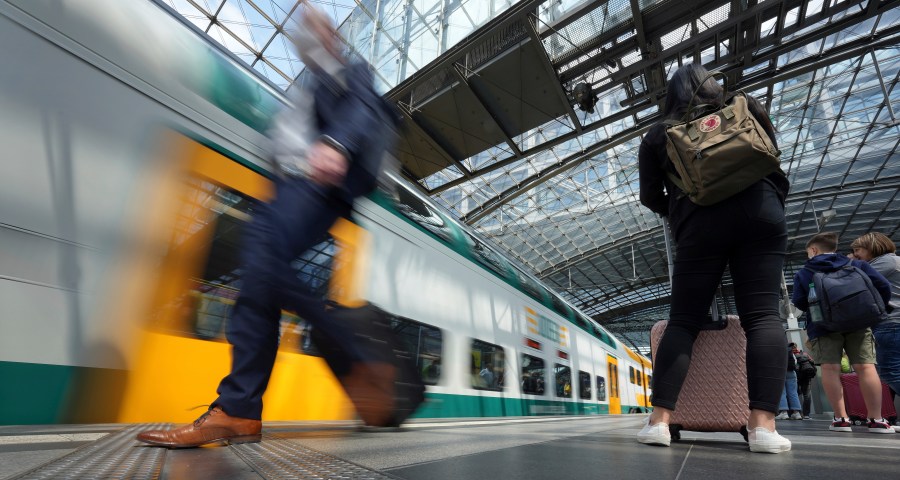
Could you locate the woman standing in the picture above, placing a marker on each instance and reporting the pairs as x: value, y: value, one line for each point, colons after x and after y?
x: 880, y: 252
x: 747, y: 233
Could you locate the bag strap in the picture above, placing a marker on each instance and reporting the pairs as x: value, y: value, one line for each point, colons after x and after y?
x: 691, y: 105
x: 677, y: 181
x: 816, y: 279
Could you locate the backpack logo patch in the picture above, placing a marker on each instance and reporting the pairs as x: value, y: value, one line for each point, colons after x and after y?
x: 710, y: 123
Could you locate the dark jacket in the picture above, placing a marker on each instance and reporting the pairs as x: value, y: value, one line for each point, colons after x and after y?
x: 829, y: 262
x: 360, y: 121
x: 792, y: 361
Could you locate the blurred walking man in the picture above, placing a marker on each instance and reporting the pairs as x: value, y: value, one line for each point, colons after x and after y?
x: 328, y: 150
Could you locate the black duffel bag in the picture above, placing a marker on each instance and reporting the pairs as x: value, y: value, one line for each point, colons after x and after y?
x: 385, y: 386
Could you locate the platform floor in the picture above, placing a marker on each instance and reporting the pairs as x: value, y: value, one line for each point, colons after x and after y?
x: 522, y: 448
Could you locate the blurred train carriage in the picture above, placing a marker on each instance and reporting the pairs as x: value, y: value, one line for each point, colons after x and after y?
x: 137, y: 167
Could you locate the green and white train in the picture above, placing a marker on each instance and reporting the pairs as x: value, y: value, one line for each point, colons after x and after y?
x: 135, y: 153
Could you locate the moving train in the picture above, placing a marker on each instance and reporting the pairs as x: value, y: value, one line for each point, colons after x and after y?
x: 136, y: 154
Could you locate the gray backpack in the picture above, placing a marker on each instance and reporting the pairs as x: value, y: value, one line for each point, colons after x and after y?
x: 848, y: 299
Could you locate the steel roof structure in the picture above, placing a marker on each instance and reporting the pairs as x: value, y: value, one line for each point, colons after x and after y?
x: 496, y: 134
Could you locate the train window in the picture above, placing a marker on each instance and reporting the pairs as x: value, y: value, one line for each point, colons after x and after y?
x: 584, y: 385
x: 417, y: 210
x: 315, y: 266
x: 212, y: 220
x: 582, y: 321
x: 485, y: 256
x: 488, y: 363
x: 423, y: 343
x: 601, y: 389
x: 532, y: 375
x: 560, y: 307
x: 640, y: 378
x: 631, y: 376
x: 563, y: 378
x: 614, y: 380
x: 210, y: 314
x: 529, y: 286
x: 295, y: 335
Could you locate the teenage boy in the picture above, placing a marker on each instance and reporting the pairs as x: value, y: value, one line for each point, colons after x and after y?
x: 826, y: 346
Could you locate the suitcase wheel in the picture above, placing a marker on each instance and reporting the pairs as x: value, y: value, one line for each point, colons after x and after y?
x: 675, y: 432
x: 744, y: 433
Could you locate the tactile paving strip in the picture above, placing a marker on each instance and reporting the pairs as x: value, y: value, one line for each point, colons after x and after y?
x: 114, y: 456
x: 277, y: 459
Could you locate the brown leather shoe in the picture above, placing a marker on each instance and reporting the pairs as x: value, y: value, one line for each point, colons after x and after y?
x: 370, y: 387
x: 212, y: 427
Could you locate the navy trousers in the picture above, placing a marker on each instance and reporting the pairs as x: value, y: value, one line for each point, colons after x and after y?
x: 747, y: 233
x: 295, y: 221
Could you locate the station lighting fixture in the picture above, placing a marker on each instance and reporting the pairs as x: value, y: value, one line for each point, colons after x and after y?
x: 584, y: 96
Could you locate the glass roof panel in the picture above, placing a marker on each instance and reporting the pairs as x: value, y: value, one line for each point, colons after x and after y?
x: 409, y: 33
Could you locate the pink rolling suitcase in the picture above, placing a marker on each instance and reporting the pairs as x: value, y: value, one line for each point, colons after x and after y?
x: 856, y: 406
x: 714, y: 395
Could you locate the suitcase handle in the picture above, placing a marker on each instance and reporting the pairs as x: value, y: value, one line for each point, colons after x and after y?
x: 713, y: 324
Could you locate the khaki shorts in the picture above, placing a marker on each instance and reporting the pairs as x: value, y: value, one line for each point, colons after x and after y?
x: 859, y: 345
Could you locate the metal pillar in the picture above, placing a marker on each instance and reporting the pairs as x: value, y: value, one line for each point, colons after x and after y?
x: 793, y: 329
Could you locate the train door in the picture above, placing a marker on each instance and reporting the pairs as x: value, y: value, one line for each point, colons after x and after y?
x: 612, y: 369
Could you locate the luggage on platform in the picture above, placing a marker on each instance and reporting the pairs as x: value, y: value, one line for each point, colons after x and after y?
x: 386, y: 387
x: 856, y: 405
x: 714, y: 395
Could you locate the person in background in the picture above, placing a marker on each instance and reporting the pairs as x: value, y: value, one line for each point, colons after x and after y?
x: 487, y: 374
x: 750, y: 239
x: 432, y: 372
x: 806, y: 371
x: 827, y: 346
x: 789, y: 407
x: 328, y: 150
x: 880, y: 253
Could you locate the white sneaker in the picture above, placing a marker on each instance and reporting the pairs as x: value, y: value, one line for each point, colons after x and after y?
x: 655, y: 434
x: 782, y: 415
x: 764, y: 441
x: 796, y: 416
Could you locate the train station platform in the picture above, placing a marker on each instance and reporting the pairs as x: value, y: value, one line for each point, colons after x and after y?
x: 524, y: 448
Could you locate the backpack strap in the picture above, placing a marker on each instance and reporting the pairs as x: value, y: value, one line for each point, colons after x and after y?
x: 816, y: 279
x: 691, y: 105
x: 677, y: 181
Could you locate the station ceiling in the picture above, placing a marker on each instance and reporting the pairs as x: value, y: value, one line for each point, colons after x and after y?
x: 495, y: 134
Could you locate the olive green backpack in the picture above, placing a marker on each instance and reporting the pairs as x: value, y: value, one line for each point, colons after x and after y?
x: 720, y: 154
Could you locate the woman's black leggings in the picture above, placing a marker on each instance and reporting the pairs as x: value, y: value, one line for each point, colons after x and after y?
x: 746, y: 232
